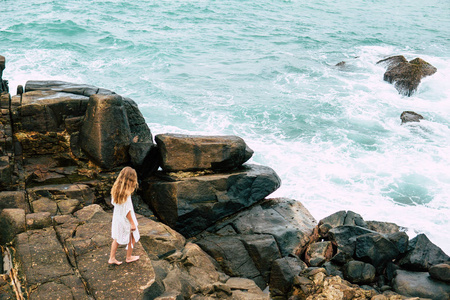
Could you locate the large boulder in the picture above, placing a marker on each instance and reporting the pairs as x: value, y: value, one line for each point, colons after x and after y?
x: 405, y: 75
x: 12, y: 222
x: 441, y: 272
x: 422, y: 254
x: 287, y: 220
x: 192, y: 204
x: 376, y: 250
x: 282, y: 275
x: 105, y: 135
x: 420, y: 284
x: 359, y: 272
x: 192, y: 153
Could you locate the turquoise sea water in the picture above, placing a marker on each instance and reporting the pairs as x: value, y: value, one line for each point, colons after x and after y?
x: 264, y: 70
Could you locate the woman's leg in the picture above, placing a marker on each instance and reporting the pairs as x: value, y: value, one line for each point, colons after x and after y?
x: 112, y: 256
x: 131, y: 258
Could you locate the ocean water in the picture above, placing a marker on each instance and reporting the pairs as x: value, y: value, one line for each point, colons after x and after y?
x: 265, y: 70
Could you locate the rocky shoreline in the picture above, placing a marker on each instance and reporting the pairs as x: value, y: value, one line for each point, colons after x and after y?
x: 208, y: 230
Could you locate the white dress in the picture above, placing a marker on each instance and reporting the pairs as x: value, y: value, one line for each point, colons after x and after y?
x: 121, y: 227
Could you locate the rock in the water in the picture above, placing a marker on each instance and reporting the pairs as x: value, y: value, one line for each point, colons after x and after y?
x: 105, y: 135
x: 405, y: 75
x: 375, y: 249
x: 359, y: 272
x: 410, y: 116
x: 192, y: 204
x: 420, y: 284
x: 282, y: 275
x: 440, y: 272
x: 318, y: 253
x: 193, y: 153
x: 422, y: 254
x: 12, y: 222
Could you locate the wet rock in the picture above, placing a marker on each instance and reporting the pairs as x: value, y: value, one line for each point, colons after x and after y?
x: 400, y: 240
x: 422, y: 254
x: 405, y: 75
x: 190, y: 205
x: 14, y: 199
x: 12, y: 222
x: 376, y: 250
x: 420, y: 284
x: 282, y: 275
x: 105, y: 135
x: 38, y: 220
x: 359, y: 272
x: 192, y: 153
x: 440, y: 272
x: 383, y: 227
x: 410, y: 116
x: 318, y: 253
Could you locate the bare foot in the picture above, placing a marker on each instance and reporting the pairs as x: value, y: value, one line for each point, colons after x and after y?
x: 114, y: 262
x: 132, y: 258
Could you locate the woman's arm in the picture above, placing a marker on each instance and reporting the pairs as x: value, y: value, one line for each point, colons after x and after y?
x: 133, y: 226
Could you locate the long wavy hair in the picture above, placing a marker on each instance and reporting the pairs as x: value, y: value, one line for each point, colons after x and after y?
x: 124, y: 185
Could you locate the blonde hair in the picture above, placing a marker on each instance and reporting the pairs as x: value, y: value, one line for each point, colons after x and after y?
x: 124, y: 185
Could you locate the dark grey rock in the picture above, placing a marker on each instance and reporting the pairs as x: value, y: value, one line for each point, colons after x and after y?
x: 422, y: 254
x: 66, y: 87
x: 420, y: 284
x: 343, y: 218
x: 344, y: 237
x: 192, y: 204
x: 383, y: 227
x: 400, y: 240
x: 283, y: 272
x: 359, y: 272
x: 376, y: 250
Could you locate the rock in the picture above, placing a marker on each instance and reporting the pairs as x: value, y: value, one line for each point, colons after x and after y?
x: 359, y: 272
x: 46, y: 111
x: 68, y: 206
x: 383, y: 227
x: 283, y: 273
x: 333, y: 269
x: 245, y: 289
x: 88, y: 212
x: 38, y: 220
x: 5, y: 172
x: 67, y: 287
x: 344, y: 237
x: 192, y: 153
x: 65, y: 87
x: 400, y: 240
x: 14, y: 199
x: 422, y: 254
x: 12, y: 222
x: 410, y: 116
x: 376, y: 250
x: 81, y: 192
x: 287, y: 220
x: 41, y: 262
x: 405, y: 75
x: 318, y: 253
x: 342, y: 217
x: 231, y: 254
x: 419, y: 284
x: 105, y: 135
x: 440, y: 272
x: 190, y: 205
x: 45, y: 205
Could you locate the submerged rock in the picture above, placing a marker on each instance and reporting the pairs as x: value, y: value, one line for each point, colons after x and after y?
x: 410, y: 116
x: 405, y: 75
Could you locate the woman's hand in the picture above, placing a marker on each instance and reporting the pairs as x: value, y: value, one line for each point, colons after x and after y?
x: 133, y: 227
